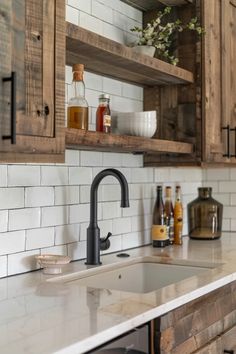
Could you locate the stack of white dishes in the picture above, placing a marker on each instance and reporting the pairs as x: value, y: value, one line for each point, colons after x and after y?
x: 137, y: 123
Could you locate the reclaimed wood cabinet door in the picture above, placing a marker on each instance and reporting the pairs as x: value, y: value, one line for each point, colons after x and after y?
x: 219, y: 81
x: 32, y: 69
x: 229, y: 341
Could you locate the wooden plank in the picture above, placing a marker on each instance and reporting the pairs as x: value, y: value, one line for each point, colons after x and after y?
x: 89, y: 140
x: 104, y: 56
x: 146, y: 5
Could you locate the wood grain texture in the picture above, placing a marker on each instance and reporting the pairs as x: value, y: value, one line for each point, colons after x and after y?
x: 120, y: 62
x: 39, y: 138
x: 89, y: 140
x: 195, y: 327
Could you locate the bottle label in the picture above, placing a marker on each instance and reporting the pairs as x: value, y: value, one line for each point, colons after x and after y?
x: 159, y: 232
x: 106, y: 120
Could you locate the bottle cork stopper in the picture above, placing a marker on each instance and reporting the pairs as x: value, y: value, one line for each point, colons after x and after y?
x: 78, y: 67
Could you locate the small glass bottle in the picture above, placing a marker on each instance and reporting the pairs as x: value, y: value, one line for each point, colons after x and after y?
x: 178, y: 217
x: 77, y: 111
x: 103, y: 114
x: 169, y: 214
x: 205, y: 216
x: 159, y: 232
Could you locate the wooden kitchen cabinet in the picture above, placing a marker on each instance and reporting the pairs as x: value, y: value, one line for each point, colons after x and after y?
x: 219, y: 85
x: 206, y: 325
x: 33, y: 48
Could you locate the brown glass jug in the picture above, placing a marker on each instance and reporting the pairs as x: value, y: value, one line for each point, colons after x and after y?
x: 204, y: 216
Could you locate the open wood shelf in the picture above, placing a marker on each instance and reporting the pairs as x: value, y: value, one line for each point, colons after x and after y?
x: 106, y: 57
x: 89, y: 140
x: 146, y: 5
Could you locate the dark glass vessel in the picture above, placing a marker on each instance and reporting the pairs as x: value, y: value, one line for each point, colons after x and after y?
x: 205, y: 216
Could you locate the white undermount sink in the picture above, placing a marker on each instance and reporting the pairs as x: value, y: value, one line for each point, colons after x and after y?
x: 140, y: 275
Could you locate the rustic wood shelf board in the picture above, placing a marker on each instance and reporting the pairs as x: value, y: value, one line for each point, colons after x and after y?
x: 106, y: 57
x: 146, y: 5
x: 90, y: 140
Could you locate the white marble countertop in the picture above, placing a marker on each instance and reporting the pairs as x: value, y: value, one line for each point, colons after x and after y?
x: 40, y: 317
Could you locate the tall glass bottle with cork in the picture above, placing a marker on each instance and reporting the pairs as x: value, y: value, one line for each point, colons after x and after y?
x: 77, y: 111
x: 159, y: 232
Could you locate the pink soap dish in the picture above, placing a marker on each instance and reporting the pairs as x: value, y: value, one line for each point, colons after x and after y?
x: 52, y: 263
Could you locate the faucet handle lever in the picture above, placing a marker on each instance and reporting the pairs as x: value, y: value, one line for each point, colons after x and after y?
x: 105, y: 242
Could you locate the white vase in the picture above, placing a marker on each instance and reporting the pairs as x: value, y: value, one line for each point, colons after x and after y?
x: 145, y: 49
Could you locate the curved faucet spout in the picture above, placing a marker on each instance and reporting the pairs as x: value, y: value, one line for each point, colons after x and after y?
x: 93, y: 231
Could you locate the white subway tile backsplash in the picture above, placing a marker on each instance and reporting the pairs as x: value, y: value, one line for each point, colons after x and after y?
x: 85, y: 194
x: 52, y: 216
x: 72, y: 15
x: 227, y: 186
x: 110, y: 192
x: 142, y: 175
x: 93, y: 81
x: 67, y: 234
x: 131, y: 240
x: 39, y: 238
x: 217, y: 174
x: 26, y: 218
x: 3, y: 266
x: 66, y: 195
x: 54, y: 175
x: 78, y: 213
x: 132, y: 91
x: 101, y: 11
x: 135, y: 208
x: 233, y: 173
x: 129, y: 160
x: 72, y: 157
x: 11, y: 198
x: 229, y: 212
x: 121, y: 226
x: 91, y: 23
x: 80, y: 5
x: 12, y: 242
x: 22, y: 262
x: 62, y: 250
x: 91, y: 158
x: 77, y: 250
x: 39, y: 196
x: 3, y: 220
x: 113, y: 33
x: 111, y: 159
x: 23, y: 175
x: 131, y: 12
x: 80, y: 175
x: 3, y: 176
x: 111, y: 210
x: 112, y: 86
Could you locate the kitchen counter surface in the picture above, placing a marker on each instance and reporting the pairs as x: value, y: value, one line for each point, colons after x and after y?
x: 40, y: 316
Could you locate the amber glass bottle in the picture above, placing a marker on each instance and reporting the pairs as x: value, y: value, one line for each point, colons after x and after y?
x: 103, y: 114
x: 169, y: 214
x: 159, y: 232
x: 77, y: 111
x: 178, y: 217
x: 205, y: 216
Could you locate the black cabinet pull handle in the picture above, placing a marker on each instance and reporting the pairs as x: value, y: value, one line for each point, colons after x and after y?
x: 229, y: 351
x: 234, y: 130
x: 12, y: 136
x: 227, y: 128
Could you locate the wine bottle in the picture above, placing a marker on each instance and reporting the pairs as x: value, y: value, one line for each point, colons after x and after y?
x: 159, y: 234
x: 178, y: 217
x: 169, y: 214
x: 77, y: 111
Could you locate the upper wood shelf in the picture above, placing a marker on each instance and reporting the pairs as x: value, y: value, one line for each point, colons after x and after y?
x: 90, y: 140
x: 146, y: 5
x: 106, y: 57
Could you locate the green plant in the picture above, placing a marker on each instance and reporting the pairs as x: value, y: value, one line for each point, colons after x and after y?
x: 160, y: 35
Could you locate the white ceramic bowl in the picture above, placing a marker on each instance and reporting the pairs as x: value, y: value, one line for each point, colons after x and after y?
x: 137, y: 123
